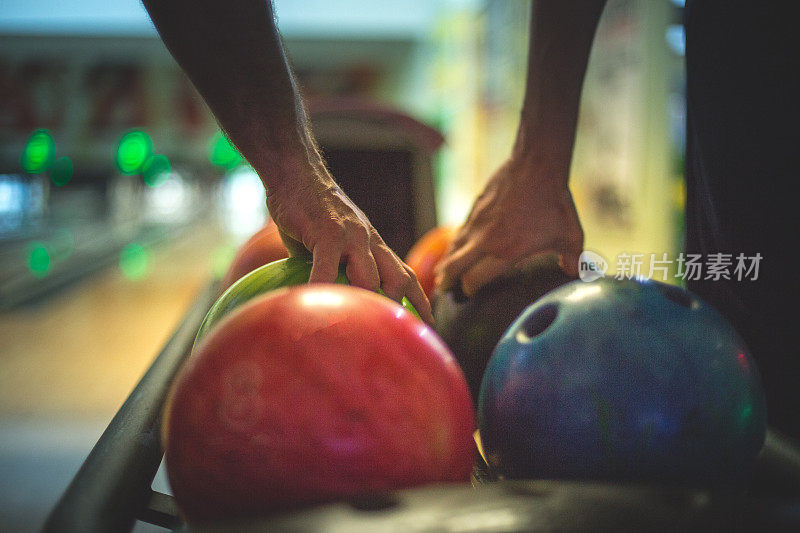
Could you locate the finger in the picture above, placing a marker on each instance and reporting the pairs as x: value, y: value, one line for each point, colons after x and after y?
x: 326, y: 263
x: 419, y: 300
x: 569, y: 255
x: 450, y: 270
x: 573, y: 244
x: 460, y: 236
x: 569, y: 262
x: 483, y: 272
x: 362, y: 271
x: 394, y: 276
x: 398, y: 280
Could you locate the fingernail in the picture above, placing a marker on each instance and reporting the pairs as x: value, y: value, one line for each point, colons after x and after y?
x: 467, y: 289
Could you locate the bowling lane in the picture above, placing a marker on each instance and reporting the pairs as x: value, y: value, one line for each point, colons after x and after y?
x: 83, y: 349
x: 68, y: 361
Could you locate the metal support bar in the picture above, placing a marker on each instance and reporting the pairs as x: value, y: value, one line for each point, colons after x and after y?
x: 161, y: 510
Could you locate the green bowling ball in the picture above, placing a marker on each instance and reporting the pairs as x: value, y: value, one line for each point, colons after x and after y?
x: 278, y: 274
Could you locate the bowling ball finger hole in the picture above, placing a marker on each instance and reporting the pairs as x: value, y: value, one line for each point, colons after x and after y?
x: 678, y: 296
x: 538, y: 322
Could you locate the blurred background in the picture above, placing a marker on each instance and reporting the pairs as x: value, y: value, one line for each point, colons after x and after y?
x: 120, y: 199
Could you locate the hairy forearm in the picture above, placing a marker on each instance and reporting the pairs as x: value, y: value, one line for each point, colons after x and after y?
x: 561, y: 34
x: 232, y: 52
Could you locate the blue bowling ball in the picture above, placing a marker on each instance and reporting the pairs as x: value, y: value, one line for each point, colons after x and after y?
x: 622, y: 381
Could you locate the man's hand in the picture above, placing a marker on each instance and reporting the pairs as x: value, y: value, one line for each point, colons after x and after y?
x: 520, y: 214
x: 244, y: 77
x: 526, y: 208
x: 314, y: 214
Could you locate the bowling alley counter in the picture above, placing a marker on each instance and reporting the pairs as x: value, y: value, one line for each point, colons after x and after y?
x: 113, y: 489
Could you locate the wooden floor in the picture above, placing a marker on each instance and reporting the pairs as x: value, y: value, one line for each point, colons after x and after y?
x: 81, y: 352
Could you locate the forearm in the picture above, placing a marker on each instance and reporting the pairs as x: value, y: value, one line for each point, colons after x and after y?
x: 561, y: 34
x: 233, y: 54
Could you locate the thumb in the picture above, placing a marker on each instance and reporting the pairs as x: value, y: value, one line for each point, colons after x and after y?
x: 569, y: 262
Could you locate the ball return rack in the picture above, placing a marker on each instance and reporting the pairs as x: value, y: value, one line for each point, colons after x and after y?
x: 113, y: 488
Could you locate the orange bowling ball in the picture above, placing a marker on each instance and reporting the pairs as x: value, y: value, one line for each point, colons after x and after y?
x: 265, y: 246
x: 426, y: 254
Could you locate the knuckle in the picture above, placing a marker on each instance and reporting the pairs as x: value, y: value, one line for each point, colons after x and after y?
x: 395, y: 285
x: 334, y: 237
x: 332, y: 228
x: 355, y: 232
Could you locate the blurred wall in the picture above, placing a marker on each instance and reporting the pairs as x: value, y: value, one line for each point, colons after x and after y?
x: 456, y: 64
x: 626, y: 173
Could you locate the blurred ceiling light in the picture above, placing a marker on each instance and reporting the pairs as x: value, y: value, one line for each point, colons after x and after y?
x: 134, y: 148
x: 61, y: 171
x: 243, y: 202
x: 12, y: 195
x: 134, y: 261
x: 156, y: 170
x: 39, y: 152
x: 169, y: 202
x: 222, y: 153
x: 676, y: 39
x: 38, y: 259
